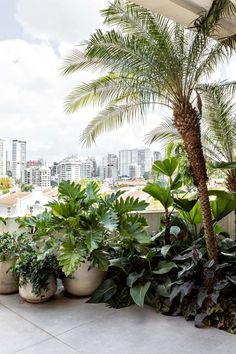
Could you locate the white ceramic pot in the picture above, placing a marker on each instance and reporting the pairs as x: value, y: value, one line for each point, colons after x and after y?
x: 8, y: 281
x: 84, y: 281
x: 26, y: 293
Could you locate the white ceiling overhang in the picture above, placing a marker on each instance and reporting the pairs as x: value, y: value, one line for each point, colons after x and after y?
x: 186, y: 11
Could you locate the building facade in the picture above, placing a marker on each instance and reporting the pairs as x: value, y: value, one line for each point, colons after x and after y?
x: 38, y: 176
x: 86, y: 169
x: 140, y: 157
x: 18, y: 159
x: 69, y: 169
x: 134, y: 171
x: 110, y: 166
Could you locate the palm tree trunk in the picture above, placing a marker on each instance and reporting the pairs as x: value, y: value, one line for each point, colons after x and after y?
x: 187, y: 122
x: 231, y: 186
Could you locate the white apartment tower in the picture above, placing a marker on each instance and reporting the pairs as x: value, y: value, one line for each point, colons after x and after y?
x: 125, y: 160
x: 69, y: 169
x: 140, y: 157
x: 110, y: 166
x: 86, y: 169
x: 18, y: 159
x: 134, y: 171
x: 38, y: 176
x: 3, y: 157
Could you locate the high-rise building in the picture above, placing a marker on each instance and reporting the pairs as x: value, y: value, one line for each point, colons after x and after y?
x: 134, y: 171
x: 18, y: 159
x: 53, y: 169
x: 140, y: 157
x: 69, y: 169
x: 110, y: 166
x: 86, y: 170
x: 3, y: 157
x: 125, y: 159
x: 144, y: 160
x: 94, y: 166
x: 38, y: 176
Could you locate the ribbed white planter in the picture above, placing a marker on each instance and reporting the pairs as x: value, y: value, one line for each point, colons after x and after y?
x: 84, y: 281
x: 26, y: 293
x: 8, y: 282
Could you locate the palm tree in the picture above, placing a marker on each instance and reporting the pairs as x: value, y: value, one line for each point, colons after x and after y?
x: 149, y: 60
x: 218, y: 133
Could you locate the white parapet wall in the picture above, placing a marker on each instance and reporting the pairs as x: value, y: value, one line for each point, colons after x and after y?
x: 153, y: 218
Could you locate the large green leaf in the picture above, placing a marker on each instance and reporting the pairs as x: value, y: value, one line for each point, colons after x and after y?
x: 225, y: 165
x: 93, y: 239
x: 104, y: 292
x: 184, y: 204
x: 222, y: 207
x: 135, y: 231
x: 92, y: 192
x: 166, y: 167
x: 123, y: 206
x: 110, y: 220
x: 159, y: 193
x: 164, y: 267
x: 138, y: 293
x: 177, y: 182
x: 100, y: 260
x: 221, y: 194
x: 71, y: 255
x: 194, y: 216
x: 70, y: 190
x: 133, y: 277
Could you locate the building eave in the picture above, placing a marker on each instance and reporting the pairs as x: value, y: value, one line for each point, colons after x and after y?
x: 186, y: 11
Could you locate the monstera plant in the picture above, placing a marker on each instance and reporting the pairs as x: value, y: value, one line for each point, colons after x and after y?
x: 89, y: 224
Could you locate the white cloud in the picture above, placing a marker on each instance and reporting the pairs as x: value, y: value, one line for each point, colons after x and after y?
x: 31, y: 108
x: 60, y: 20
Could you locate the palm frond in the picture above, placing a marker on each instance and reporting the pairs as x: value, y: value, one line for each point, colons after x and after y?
x: 113, y: 117
x: 164, y: 133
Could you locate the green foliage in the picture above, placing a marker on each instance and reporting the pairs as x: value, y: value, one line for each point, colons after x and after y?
x: 222, y: 207
x: 175, y: 279
x: 26, y: 187
x: 123, y: 206
x: 5, y: 183
x: 84, y: 224
x: 139, y: 292
x: 12, y: 244
x: 71, y: 255
x: 194, y: 215
x: 166, y: 167
x: 162, y: 194
x: 35, y: 268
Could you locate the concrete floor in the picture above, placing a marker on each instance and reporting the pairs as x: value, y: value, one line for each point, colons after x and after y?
x: 69, y: 325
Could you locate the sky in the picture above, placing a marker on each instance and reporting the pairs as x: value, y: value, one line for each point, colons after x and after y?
x: 35, y: 35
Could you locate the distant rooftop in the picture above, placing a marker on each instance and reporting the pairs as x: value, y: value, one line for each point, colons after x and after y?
x: 11, y: 199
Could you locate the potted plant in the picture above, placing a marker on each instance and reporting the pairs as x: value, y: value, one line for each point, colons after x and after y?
x: 10, y: 246
x: 37, y: 271
x: 89, y: 222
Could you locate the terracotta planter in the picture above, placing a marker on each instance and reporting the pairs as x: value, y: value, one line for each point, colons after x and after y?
x: 8, y: 281
x: 84, y: 281
x: 26, y: 293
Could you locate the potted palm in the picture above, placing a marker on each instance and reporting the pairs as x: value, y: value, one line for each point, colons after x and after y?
x: 10, y: 246
x: 88, y: 222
